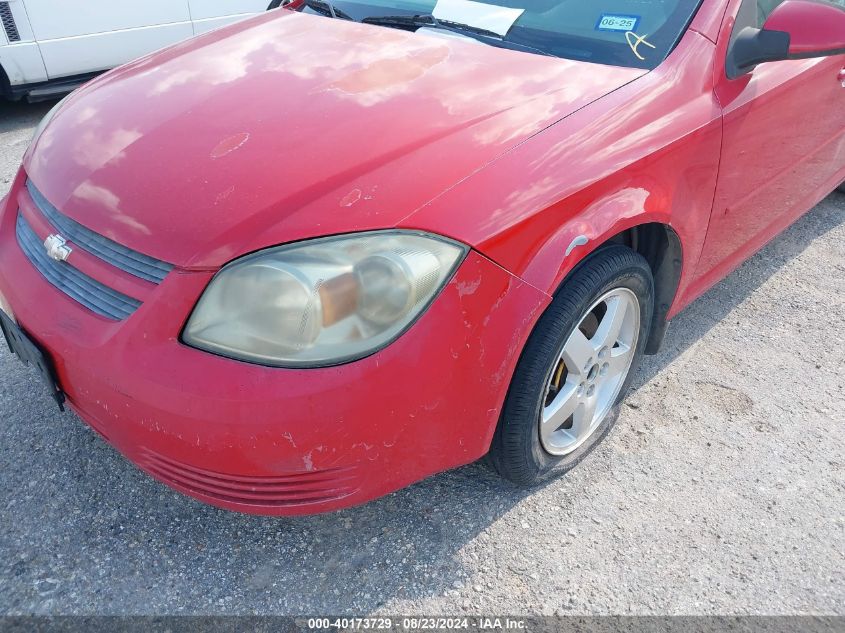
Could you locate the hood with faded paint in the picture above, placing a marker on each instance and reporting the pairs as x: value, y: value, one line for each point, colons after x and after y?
x: 291, y: 126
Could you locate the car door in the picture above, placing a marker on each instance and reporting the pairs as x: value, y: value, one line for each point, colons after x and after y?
x: 784, y: 143
x: 92, y: 35
x: 210, y: 14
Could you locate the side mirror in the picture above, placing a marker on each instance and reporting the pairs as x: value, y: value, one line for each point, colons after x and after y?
x: 796, y: 29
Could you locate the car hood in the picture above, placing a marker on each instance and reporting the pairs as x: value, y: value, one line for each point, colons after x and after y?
x: 290, y: 126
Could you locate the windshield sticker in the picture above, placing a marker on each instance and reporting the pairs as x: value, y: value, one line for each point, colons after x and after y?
x: 489, y: 17
x: 634, y: 41
x: 613, y: 22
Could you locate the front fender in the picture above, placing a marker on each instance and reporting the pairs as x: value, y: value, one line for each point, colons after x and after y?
x: 646, y: 153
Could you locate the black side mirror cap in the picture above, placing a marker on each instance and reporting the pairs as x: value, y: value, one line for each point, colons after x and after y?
x: 755, y: 46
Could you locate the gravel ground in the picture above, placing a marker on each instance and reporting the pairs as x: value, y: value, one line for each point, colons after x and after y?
x: 722, y: 489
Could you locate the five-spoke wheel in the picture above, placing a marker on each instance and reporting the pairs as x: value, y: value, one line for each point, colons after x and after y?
x: 590, y: 372
x: 576, y: 367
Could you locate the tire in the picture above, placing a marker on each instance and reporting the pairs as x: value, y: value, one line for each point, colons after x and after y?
x: 841, y: 187
x: 612, y: 276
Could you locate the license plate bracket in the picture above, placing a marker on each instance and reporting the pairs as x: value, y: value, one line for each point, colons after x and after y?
x: 31, y: 354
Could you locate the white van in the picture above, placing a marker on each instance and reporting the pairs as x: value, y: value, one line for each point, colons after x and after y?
x: 49, y: 47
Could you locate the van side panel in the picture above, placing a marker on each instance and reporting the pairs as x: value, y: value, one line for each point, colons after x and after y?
x: 54, y: 20
x: 92, y: 53
x: 21, y: 61
x: 206, y: 9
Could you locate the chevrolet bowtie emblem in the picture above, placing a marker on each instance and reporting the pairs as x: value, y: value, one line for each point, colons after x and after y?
x: 57, y: 248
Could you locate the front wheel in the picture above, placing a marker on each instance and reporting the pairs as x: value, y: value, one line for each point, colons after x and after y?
x: 576, y: 367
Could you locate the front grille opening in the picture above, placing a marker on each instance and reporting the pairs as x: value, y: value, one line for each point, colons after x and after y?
x: 9, y: 22
x: 119, y: 256
x: 98, y: 298
x: 95, y: 295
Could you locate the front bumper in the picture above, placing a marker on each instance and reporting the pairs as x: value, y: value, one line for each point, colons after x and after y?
x: 280, y: 441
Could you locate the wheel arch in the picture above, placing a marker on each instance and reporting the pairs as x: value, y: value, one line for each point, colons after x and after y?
x: 662, y: 248
x: 5, y: 84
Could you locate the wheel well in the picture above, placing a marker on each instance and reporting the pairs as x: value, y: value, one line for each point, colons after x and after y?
x: 5, y: 84
x: 661, y: 247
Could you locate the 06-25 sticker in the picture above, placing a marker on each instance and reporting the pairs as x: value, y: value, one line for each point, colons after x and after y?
x: 614, y: 22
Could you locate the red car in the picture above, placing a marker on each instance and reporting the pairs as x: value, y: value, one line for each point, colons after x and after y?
x: 303, y: 261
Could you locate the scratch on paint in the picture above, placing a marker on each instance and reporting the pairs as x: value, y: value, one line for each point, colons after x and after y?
x: 351, y: 198
x: 229, y: 145
x: 468, y: 287
x: 220, y: 198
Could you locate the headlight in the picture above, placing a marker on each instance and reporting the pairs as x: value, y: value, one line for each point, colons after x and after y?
x: 47, y: 118
x: 322, y: 302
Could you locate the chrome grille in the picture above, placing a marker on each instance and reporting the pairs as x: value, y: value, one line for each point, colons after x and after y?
x: 95, y: 296
x: 9, y: 22
x: 127, y: 260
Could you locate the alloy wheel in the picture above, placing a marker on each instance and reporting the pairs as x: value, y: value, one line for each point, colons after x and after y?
x: 590, y: 371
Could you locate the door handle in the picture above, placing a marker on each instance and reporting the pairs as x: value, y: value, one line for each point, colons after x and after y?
x: 842, y: 77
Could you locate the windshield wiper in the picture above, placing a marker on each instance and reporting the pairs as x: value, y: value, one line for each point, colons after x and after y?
x: 426, y: 20
x: 323, y: 7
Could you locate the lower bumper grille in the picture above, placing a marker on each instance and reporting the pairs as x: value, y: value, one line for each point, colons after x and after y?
x: 89, y: 292
x: 285, y: 490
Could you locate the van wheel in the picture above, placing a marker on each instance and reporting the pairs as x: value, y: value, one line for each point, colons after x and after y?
x: 576, y: 368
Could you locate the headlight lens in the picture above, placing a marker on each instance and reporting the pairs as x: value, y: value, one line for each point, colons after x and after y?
x: 322, y: 302
x: 47, y: 118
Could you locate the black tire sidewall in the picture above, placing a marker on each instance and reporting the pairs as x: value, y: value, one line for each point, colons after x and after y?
x: 517, y: 451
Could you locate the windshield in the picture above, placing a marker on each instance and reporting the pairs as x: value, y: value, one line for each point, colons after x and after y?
x: 634, y: 33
